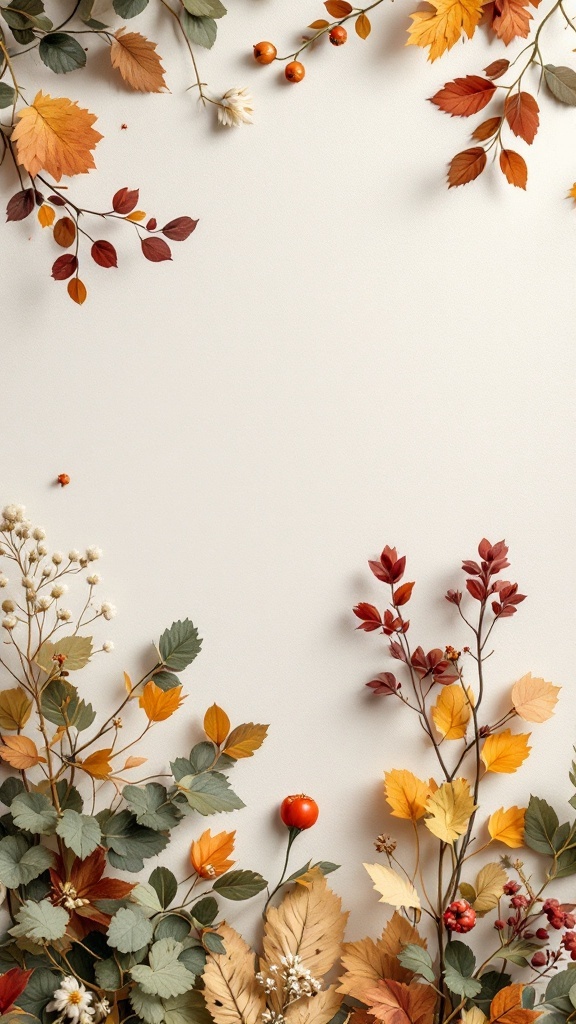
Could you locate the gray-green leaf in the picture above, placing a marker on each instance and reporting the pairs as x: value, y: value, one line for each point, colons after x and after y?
x: 20, y: 864
x: 76, y: 648
x: 35, y: 813
x: 418, y: 960
x: 80, y: 832
x: 166, y: 976
x: 165, y: 884
x: 41, y: 922
x: 151, y: 806
x: 205, y: 8
x: 209, y: 793
x: 61, y: 53
x: 239, y: 885
x: 562, y: 83
x: 540, y: 824
x: 201, y: 31
x: 188, y: 1008
x: 179, y: 644
x: 7, y: 95
x: 129, y: 8
x: 149, y: 1008
x: 129, y: 930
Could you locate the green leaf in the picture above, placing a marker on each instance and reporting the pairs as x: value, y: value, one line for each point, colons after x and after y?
x: 7, y: 95
x: 213, y: 942
x: 205, y: 8
x: 108, y: 974
x: 129, y: 844
x: 172, y: 927
x: 188, y: 1008
x: 205, y: 911
x: 69, y: 797
x: 34, y: 813
x: 461, y: 964
x: 61, y: 705
x: 146, y: 897
x: 80, y: 832
x: 528, y: 997
x: 129, y: 930
x: 492, y: 982
x: 129, y: 8
x: 165, y: 884
x: 468, y: 987
x: 202, y: 757
x: 239, y: 885
x: 179, y: 644
x: 10, y: 788
x: 194, y: 959
x: 519, y: 952
x: 166, y: 680
x: 209, y: 793
x: 76, y: 648
x: 20, y: 864
x: 151, y: 806
x: 418, y: 960
x: 61, y: 53
x: 562, y: 83
x: 201, y: 31
x: 540, y: 824
x: 166, y: 976
x: 149, y: 1008
x: 558, y: 990
x: 38, y: 992
x: 40, y: 921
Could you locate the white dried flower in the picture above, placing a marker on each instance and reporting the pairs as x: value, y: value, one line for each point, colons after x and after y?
x: 57, y: 558
x: 31, y: 594
x: 3, y: 581
x: 101, y: 1009
x: 33, y: 556
x: 8, y: 606
x: 107, y: 610
x: 235, y: 108
x: 72, y: 1000
x: 74, y: 556
x: 10, y: 622
x: 47, y: 571
x: 58, y: 589
x: 42, y: 549
x: 64, y: 614
x: 107, y: 646
x: 38, y: 533
x: 43, y: 604
x: 13, y: 513
x: 27, y: 582
x: 94, y: 579
x: 93, y: 554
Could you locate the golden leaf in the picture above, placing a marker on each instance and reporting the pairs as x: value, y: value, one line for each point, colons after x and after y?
x: 209, y: 854
x: 58, y: 736
x: 450, y: 809
x: 55, y: 135
x: 534, y: 699
x: 245, y: 739
x: 136, y: 59
x: 319, y: 1010
x: 489, y: 886
x: 395, y: 1003
x: 309, y: 923
x: 232, y: 994
x: 46, y: 215
x: 97, y: 764
x: 441, y: 28
x: 393, y: 888
x: 77, y: 290
x: 307, y: 878
x: 136, y: 215
x: 572, y: 192
x: 20, y: 752
x: 474, y: 1016
x: 506, y: 1007
x: 451, y: 712
x: 508, y: 826
x: 160, y: 704
x: 216, y: 725
x: 15, y: 708
x: 366, y: 962
x: 504, y: 751
x: 128, y: 684
x: 363, y: 26
x: 134, y: 762
x: 406, y: 794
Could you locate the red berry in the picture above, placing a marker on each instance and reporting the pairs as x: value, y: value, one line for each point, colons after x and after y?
x: 265, y: 53
x: 338, y: 35
x: 519, y: 902
x: 499, y: 924
x: 294, y: 71
x: 542, y: 934
x: 539, y: 960
x: 63, y: 479
x: 510, y: 888
x: 459, y: 916
x: 299, y: 811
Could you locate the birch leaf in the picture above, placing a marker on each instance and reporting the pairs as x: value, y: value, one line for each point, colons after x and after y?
x: 309, y: 923
x: 534, y: 699
x: 450, y: 809
x: 232, y: 994
x: 393, y: 888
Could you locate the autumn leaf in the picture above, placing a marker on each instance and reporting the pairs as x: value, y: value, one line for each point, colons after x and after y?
x: 487, y: 890
x: 464, y: 96
x: 504, y: 752
x: 216, y: 724
x: 232, y: 994
x: 160, y: 704
x: 497, y: 68
x: 77, y: 290
x: 450, y: 809
x: 134, y: 762
x: 572, y: 192
x: 466, y: 166
x: 534, y: 699
x: 396, y: 1003
x: 474, y: 1016
x: 319, y: 24
x: 511, y: 20
x: 366, y: 962
x: 97, y: 764
x: 245, y: 739
x: 513, y: 167
x: 393, y: 888
x: 521, y: 112
x: 20, y: 752
x: 451, y: 712
x: 506, y: 1007
x: 406, y: 794
x: 210, y: 854
x: 55, y: 135
x: 64, y: 232
x: 136, y: 59
x: 319, y: 1010
x: 15, y: 708
x: 46, y: 216
x: 338, y: 8
x: 508, y: 826
x: 441, y: 28
x: 363, y: 26
x: 487, y: 129
x: 309, y: 923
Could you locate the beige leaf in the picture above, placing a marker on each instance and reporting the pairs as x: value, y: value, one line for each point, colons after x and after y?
x: 309, y: 923
x: 474, y: 1016
x: 534, y: 699
x: 232, y: 994
x: 366, y: 962
x: 318, y: 1010
x: 136, y: 59
x: 393, y: 888
x: 450, y: 810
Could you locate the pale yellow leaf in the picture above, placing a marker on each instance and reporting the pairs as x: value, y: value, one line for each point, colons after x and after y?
x: 450, y: 809
x: 232, y: 994
x: 55, y: 135
x: 136, y: 59
x: 508, y: 826
x: 134, y: 762
x: 505, y: 751
x: 309, y: 923
x: 534, y: 699
x: 489, y: 886
x: 474, y: 1016
x: 406, y: 794
x: 393, y: 888
x: 451, y: 712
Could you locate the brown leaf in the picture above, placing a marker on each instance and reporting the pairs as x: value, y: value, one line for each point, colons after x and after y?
x: 464, y: 96
x: 308, y: 923
x: 511, y: 19
x: 20, y: 752
x: 124, y: 200
x: 521, y: 112
x: 64, y: 266
x: 466, y: 166
x: 497, y: 68
x: 506, y: 1007
x: 366, y: 962
x: 245, y: 739
x: 233, y: 996
x: 338, y: 8
x: 319, y: 24
x: 363, y: 26
x: 55, y: 135
x: 136, y: 59
x: 514, y: 167
x: 319, y: 1010
x: 487, y: 129
x: 395, y: 1003
x: 65, y: 232
x: 104, y: 254
x: 77, y: 290
x: 156, y: 250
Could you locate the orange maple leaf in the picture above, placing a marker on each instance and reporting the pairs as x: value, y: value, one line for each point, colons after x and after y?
x: 136, y: 59
x: 97, y: 764
x: 210, y: 854
x: 55, y: 135
x: 160, y: 704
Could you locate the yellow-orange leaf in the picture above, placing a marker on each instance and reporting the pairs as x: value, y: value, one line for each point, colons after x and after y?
x: 97, y: 764
x: 245, y: 739
x: 395, y: 1003
x: 319, y: 23
x: 55, y: 135
x: 46, y: 216
x: 363, y: 26
x: 513, y: 167
x: 20, y: 752
x: 15, y: 708
x: 406, y: 794
x: 450, y: 809
x: 136, y: 215
x: 441, y: 28
x: 506, y: 1007
x: 134, y: 762
x: 216, y: 724
x: 210, y: 855
x: 505, y: 751
x: 508, y: 826
x: 572, y: 192
x: 451, y: 712
x: 128, y: 683
x: 136, y: 59
x: 77, y: 290
x: 160, y: 704
x: 58, y: 736
x: 534, y: 699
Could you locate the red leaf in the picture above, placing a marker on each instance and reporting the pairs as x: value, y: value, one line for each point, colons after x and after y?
x: 384, y: 683
x: 397, y: 651
x: 156, y: 250
x: 20, y: 205
x: 514, y: 167
x: 466, y: 166
x: 64, y: 267
x: 65, y: 232
x: 476, y: 589
x: 152, y: 224
x: 403, y: 594
x: 12, y: 985
x: 125, y: 200
x: 487, y: 129
x: 178, y: 230
x: 497, y: 68
x: 367, y: 612
x: 464, y: 96
x: 56, y: 200
x: 338, y: 8
x: 104, y: 254
x: 521, y: 112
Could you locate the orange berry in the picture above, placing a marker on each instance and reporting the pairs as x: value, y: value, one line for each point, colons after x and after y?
x: 338, y: 35
x: 63, y: 479
x: 294, y: 71
x: 265, y: 52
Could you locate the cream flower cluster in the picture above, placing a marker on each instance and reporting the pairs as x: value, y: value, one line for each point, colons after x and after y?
x: 235, y: 108
x: 294, y: 982
x: 72, y: 1000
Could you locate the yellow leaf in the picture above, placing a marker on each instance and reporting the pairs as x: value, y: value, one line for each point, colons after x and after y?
x: 395, y: 1003
x: 572, y: 192
x: 504, y: 751
x: 534, y: 699
x: 97, y: 764
x: 134, y: 762
x: 55, y: 135
x: 46, y: 215
x: 319, y: 1010
x: 451, y: 712
x: 508, y: 826
x: 489, y: 886
x: 216, y: 725
x: 20, y: 752
x: 307, y: 878
x: 245, y: 739
x: 393, y: 888
x: 160, y: 704
x: 15, y: 708
x: 309, y: 923
x: 450, y: 809
x: 136, y: 215
x: 474, y: 1016
x: 366, y: 962
x: 128, y: 683
x: 406, y: 794
x: 232, y: 994
x: 441, y: 28
x: 136, y: 59
x: 210, y: 854
x: 506, y: 1007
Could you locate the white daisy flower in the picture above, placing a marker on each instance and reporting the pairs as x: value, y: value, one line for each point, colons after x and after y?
x: 72, y: 1000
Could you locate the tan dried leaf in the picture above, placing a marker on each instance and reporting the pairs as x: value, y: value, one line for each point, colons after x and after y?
x: 232, y: 994
x: 319, y: 1010
x: 308, y: 923
x: 55, y: 135
x: 534, y: 699
x: 395, y: 1003
x: 366, y: 962
x: 136, y: 59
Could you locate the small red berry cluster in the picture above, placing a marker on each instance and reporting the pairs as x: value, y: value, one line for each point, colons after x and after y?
x: 266, y: 53
x: 459, y: 916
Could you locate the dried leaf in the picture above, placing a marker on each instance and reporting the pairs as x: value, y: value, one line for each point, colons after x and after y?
x: 20, y: 752
x: 216, y: 724
x: 511, y: 19
x: 97, y: 764
x: 77, y: 290
x: 210, y: 855
x: 513, y: 166
x: 489, y: 887
x: 308, y: 923
x: 232, y: 994
x: 450, y: 809
x: 64, y: 266
x: 395, y: 1003
x: 245, y: 739
x: 320, y: 23
x: 156, y: 250
x: 487, y: 129
x: 65, y: 232
x: 441, y: 28
x: 393, y: 888
x: 366, y: 962
x: 159, y: 704
x: 15, y: 708
x: 451, y: 712
x: 464, y: 96
x: 466, y: 166
x: 134, y: 762
x: 521, y: 112
x: 534, y: 699
x: 124, y: 200
x: 506, y: 1007
x: 104, y: 254
x: 136, y: 59
x: 508, y: 826
x: 338, y: 8
x: 319, y: 1010
x: 46, y: 216
x: 55, y: 135
x: 363, y: 26
x: 497, y: 68
x: 504, y: 752
x: 406, y: 794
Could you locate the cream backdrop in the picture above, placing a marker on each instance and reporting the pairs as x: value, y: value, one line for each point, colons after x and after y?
x: 344, y: 355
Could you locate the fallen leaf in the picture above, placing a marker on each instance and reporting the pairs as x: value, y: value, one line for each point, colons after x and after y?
x: 534, y: 699
x: 136, y: 59
x: 504, y: 751
x: 55, y: 135
x: 450, y: 809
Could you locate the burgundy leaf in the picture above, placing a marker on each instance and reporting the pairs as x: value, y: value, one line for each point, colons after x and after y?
x: 64, y: 267
x: 178, y: 230
x: 20, y: 205
x: 125, y: 200
x: 156, y: 250
x: 56, y: 200
x: 476, y: 589
x: 152, y: 224
x: 104, y: 254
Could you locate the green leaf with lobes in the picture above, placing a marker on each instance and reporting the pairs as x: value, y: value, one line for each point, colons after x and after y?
x: 129, y: 8
x: 35, y: 813
x: 19, y: 863
x: 413, y: 958
x: 40, y: 921
x: 129, y: 930
x: 76, y: 649
x: 209, y: 793
x: 165, y: 975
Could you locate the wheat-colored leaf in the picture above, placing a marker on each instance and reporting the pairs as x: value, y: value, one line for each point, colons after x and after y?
x: 232, y: 994
x: 309, y: 923
x: 366, y: 962
x: 318, y: 1010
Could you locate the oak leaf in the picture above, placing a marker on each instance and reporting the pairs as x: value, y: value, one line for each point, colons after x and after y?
x: 450, y: 809
x: 508, y: 826
x: 309, y: 923
x: 504, y: 751
x: 513, y: 167
x: 232, y: 994
x: 159, y: 704
x: 534, y: 699
x: 216, y: 724
x: 396, y: 1003
x: 136, y: 59
x: 20, y: 752
x: 441, y: 28
x: 393, y: 888
x: 406, y: 794
x: 451, y: 712
x: 466, y: 166
x: 55, y: 135
x: 365, y: 962
x: 464, y: 96
x: 506, y: 1007
x: 521, y: 113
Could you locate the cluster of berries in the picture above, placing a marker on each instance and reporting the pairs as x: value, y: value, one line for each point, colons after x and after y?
x: 265, y: 53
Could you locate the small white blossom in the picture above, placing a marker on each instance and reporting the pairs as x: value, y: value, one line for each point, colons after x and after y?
x: 72, y: 1000
x: 94, y: 579
x: 58, y: 590
x: 43, y: 604
x: 13, y: 513
x: 42, y: 549
x: 107, y: 646
x: 10, y: 622
x: 38, y: 533
x: 74, y: 556
x: 3, y: 581
x: 101, y: 1009
x: 93, y: 554
x: 64, y: 614
x: 235, y: 108
x: 107, y: 610
x: 57, y: 558
x: 47, y: 571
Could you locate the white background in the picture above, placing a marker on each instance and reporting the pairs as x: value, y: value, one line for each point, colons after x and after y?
x: 343, y: 355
